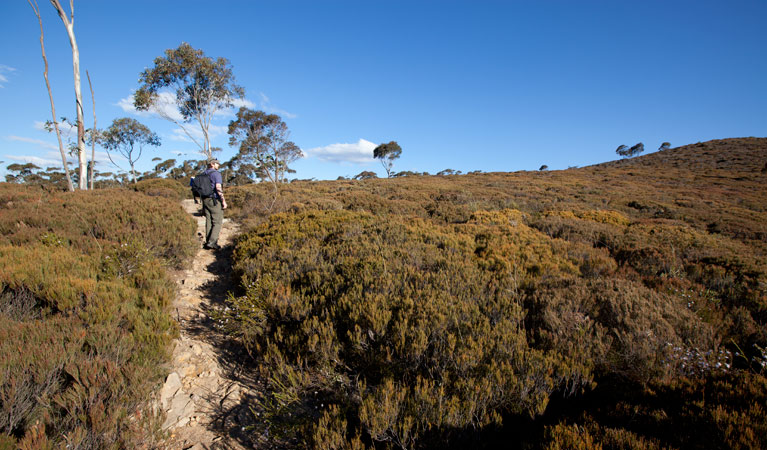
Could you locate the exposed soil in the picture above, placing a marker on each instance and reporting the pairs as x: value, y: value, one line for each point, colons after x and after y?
x: 207, y: 393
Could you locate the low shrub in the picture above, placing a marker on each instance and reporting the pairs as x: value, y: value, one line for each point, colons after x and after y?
x: 84, y: 326
x: 164, y: 187
x: 395, y: 328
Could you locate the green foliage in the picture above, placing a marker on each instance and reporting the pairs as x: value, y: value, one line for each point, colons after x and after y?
x: 84, y: 326
x: 387, y: 153
x: 124, y: 135
x: 627, y: 152
x: 264, y: 149
x: 200, y: 86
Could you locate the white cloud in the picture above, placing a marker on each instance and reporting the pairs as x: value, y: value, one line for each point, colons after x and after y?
x: 360, y: 152
x: 240, y: 102
x: 213, y: 132
x: 4, y: 70
x: 39, y: 142
x: 165, y: 106
x: 266, y: 105
x: 49, y: 159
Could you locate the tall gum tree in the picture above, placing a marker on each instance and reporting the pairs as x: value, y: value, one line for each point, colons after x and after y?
x: 200, y: 86
x: 69, y: 24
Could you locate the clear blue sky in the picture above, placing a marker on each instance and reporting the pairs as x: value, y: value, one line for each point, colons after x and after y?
x: 481, y: 85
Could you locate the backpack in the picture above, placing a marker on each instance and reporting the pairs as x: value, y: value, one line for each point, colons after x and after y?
x: 202, y: 186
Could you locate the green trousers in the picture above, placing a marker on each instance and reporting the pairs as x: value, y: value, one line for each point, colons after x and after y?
x: 214, y: 217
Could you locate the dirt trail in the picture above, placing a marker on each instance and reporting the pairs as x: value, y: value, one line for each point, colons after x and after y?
x: 207, y: 392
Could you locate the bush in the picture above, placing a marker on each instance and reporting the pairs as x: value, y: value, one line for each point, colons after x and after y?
x: 164, y: 187
x: 402, y: 342
x: 84, y: 327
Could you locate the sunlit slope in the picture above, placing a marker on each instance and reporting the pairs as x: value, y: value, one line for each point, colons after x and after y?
x: 414, y: 311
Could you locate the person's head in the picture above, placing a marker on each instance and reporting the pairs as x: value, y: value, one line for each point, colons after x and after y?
x: 213, y: 163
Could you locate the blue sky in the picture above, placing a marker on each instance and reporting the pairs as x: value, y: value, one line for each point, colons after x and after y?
x: 482, y: 85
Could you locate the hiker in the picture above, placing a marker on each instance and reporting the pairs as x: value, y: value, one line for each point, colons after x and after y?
x: 195, y: 194
x: 213, y: 205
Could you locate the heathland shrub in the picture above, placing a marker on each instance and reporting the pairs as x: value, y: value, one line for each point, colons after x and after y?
x: 621, y: 301
x: 164, y: 187
x: 400, y: 329
x: 84, y: 325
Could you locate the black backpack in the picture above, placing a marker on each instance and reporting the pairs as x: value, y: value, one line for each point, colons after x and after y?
x: 202, y: 186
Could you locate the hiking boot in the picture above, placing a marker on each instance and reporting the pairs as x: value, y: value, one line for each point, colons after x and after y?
x: 211, y: 247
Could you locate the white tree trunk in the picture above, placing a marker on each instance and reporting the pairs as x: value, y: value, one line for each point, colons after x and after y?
x: 93, y: 133
x: 70, y: 186
x: 69, y: 23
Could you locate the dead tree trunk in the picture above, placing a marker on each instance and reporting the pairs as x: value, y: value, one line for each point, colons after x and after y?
x: 94, y: 132
x: 70, y: 186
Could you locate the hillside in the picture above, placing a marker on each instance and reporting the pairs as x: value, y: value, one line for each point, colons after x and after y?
x: 617, y: 305
x: 620, y: 305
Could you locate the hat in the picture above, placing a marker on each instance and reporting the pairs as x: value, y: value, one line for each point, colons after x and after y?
x: 212, y: 161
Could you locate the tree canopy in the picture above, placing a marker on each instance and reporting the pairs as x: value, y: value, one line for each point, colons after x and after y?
x: 264, y: 149
x: 200, y: 85
x: 387, y: 153
x: 124, y: 135
x: 627, y: 152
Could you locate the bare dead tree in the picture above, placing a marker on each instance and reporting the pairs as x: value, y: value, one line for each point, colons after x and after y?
x: 36, y: 9
x: 93, y: 132
x: 69, y: 23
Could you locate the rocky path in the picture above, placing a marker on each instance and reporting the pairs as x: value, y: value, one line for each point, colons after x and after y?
x: 205, y: 397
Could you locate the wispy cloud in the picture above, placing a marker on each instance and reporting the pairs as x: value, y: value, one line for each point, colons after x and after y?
x: 38, y: 142
x: 213, y: 132
x: 165, y: 106
x: 48, y: 160
x: 267, y: 106
x: 68, y: 130
x: 240, y: 102
x: 3, y: 71
x: 360, y: 152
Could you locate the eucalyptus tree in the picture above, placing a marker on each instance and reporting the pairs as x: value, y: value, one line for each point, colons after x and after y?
x: 387, y: 153
x: 627, y: 152
x: 128, y: 137
x: 199, y: 87
x: 264, y: 149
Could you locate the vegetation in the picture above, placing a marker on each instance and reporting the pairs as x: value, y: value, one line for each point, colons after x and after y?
x: 614, y: 306
x: 200, y: 87
x: 123, y: 136
x: 84, y: 325
x: 627, y: 152
x: 387, y: 153
x: 620, y: 305
x: 264, y: 149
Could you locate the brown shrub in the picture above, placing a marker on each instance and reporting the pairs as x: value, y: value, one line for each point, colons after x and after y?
x: 83, y: 313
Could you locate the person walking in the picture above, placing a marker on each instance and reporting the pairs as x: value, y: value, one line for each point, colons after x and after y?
x: 214, y: 206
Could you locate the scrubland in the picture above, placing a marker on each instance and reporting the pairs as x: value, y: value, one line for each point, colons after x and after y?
x: 621, y: 305
x: 84, y: 320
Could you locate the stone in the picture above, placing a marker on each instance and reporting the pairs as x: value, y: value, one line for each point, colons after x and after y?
x: 169, y: 390
x: 181, y: 409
